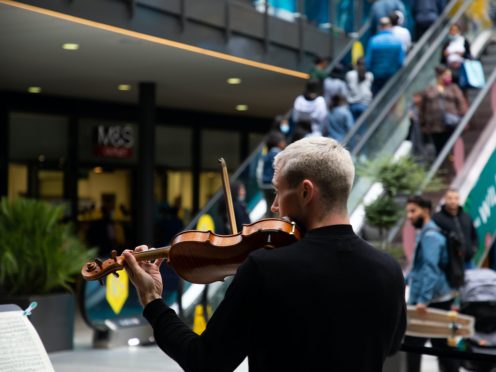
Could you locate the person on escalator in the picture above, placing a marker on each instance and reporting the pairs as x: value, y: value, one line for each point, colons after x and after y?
x: 241, y: 215
x: 314, y: 305
x: 402, y: 33
x: 311, y: 106
x: 334, y: 84
x: 455, y: 51
x: 340, y: 118
x: 359, y: 82
x: 384, y: 56
x: 441, y: 109
x: 425, y: 13
x: 275, y: 144
x: 381, y: 9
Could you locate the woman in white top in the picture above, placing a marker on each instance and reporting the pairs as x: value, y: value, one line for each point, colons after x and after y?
x: 399, y: 31
x: 455, y: 51
x: 359, y: 82
x: 311, y: 106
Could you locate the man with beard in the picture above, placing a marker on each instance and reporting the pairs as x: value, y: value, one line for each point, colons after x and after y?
x: 427, y: 282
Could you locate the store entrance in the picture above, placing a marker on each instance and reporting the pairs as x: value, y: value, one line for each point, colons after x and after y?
x: 104, y: 209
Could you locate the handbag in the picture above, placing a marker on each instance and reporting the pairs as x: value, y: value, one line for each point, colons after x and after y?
x: 449, y: 120
x: 472, y: 74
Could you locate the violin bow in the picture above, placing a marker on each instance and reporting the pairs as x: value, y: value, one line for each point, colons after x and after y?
x: 228, y: 197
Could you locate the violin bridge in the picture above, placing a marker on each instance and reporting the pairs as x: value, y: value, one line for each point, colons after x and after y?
x: 269, y: 244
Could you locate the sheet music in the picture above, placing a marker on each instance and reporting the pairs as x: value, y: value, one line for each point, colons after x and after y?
x: 21, y: 349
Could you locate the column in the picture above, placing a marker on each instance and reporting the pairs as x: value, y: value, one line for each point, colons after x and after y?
x: 71, y: 169
x: 146, y: 164
x: 4, y: 150
x: 196, y: 169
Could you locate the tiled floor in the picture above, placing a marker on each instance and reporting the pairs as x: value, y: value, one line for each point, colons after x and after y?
x: 139, y: 358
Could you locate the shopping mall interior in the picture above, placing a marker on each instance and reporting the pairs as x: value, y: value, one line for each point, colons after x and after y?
x: 116, y: 112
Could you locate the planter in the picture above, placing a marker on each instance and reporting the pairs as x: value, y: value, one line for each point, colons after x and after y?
x: 53, y: 318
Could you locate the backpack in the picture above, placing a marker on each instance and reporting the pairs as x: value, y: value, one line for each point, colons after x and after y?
x: 455, y: 267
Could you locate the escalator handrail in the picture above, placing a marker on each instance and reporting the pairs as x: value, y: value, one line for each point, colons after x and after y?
x: 377, y: 102
x: 386, y: 108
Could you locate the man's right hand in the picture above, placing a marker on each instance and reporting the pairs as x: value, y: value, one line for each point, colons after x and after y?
x: 144, y: 275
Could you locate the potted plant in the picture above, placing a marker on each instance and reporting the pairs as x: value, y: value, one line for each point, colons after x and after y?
x: 399, y: 178
x: 39, y: 260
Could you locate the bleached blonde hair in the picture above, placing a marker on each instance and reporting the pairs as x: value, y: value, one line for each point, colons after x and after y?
x: 323, y: 161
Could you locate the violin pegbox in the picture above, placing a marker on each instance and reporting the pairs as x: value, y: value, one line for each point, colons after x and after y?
x: 98, y: 269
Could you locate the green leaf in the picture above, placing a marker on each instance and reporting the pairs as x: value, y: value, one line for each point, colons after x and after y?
x: 38, y: 254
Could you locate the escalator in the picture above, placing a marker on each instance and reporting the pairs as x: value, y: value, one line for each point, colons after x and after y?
x: 386, y: 124
x: 473, y: 145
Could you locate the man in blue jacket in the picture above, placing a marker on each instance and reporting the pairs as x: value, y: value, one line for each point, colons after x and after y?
x: 427, y: 281
x: 384, y: 56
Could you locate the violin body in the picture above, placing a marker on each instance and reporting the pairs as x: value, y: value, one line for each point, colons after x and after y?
x: 204, y: 257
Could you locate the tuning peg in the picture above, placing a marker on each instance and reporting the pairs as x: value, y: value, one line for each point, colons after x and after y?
x: 113, y: 254
x: 99, y: 262
x: 115, y: 274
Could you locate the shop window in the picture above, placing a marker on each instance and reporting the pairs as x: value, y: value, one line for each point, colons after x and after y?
x: 34, y: 137
x: 18, y: 180
x: 173, y: 147
x: 210, y: 183
x: 220, y: 144
x: 51, y: 185
x: 104, y: 205
x: 180, y: 192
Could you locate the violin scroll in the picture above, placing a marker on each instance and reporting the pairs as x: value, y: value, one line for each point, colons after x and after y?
x: 98, y: 269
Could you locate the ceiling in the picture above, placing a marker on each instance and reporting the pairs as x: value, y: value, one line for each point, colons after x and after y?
x: 32, y: 55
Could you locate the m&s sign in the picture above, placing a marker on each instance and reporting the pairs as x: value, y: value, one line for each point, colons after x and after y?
x: 114, y: 141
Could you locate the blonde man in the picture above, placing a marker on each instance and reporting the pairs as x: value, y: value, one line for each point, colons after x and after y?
x: 329, y: 302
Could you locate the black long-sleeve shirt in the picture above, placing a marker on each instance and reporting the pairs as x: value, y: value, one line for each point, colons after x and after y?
x: 461, y: 223
x: 327, y: 302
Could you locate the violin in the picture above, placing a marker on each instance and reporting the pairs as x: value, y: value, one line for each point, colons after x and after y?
x: 204, y: 257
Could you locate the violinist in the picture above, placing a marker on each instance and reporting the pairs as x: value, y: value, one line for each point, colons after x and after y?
x: 329, y: 301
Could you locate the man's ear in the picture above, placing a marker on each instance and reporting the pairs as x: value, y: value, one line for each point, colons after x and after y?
x: 307, y: 191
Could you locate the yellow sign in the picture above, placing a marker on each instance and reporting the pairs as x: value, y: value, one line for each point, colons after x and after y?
x: 199, y: 322
x: 117, y: 290
x: 205, y: 223
x: 356, y: 52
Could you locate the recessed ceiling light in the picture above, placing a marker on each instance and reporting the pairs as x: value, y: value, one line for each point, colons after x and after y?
x: 241, y: 107
x: 70, y: 46
x: 34, y: 89
x: 41, y: 158
x: 234, y: 81
x: 98, y: 170
x: 124, y: 87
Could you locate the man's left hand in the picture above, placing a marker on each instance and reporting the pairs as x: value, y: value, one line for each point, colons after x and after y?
x: 144, y: 275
